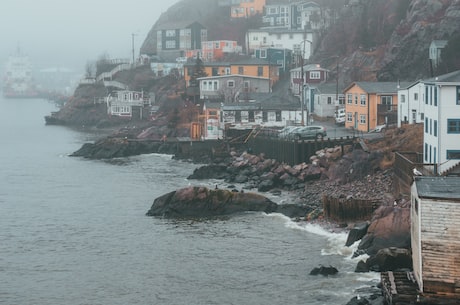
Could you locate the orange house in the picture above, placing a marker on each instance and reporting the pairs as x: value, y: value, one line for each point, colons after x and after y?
x: 370, y: 104
x: 247, y: 8
x: 251, y: 67
x: 217, y: 49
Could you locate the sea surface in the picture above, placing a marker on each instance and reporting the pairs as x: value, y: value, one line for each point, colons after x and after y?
x: 74, y: 232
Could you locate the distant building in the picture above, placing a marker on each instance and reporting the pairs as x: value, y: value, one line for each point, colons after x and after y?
x: 327, y: 99
x: 299, y: 15
x: 281, y: 57
x: 127, y: 104
x: 435, y: 50
x: 176, y: 38
x: 411, y: 108
x: 217, y: 49
x: 370, y: 104
x: 247, y: 8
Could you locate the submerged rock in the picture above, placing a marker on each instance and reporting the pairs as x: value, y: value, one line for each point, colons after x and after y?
x: 204, y: 202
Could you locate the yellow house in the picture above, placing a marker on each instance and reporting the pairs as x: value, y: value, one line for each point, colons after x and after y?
x: 247, y: 8
x: 371, y: 104
x: 251, y: 67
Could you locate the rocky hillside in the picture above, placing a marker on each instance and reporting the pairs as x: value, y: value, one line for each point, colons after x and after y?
x: 375, y: 40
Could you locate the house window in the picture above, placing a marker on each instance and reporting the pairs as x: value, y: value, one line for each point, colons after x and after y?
x: 363, y: 100
x: 278, y: 116
x: 362, y: 119
x: 251, y: 116
x: 227, y: 71
x: 431, y: 126
x: 329, y: 100
x: 170, y: 44
x: 272, y: 10
x: 349, y: 117
x: 341, y: 100
x: 246, y: 84
x: 216, y: 45
x: 426, y: 125
x: 436, y: 96
x: 264, y: 116
x: 260, y: 71
x: 458, y: 95
x: 170, y: 33
x: 453, y: 154
x: 426, y: 95
x: 263, y: 53
x: 356, y: 99
x: 386, y: 100
x: 241, y: 70
x: 349, y: 98
x: 435, y: 128
x: 215, y: 71
x: 315, y: 75
x: 403, y: 98
x: 231, y: 84
x: 453, y: 126
x: 415, y: 96
x: 426, y: 152
x: 216, y: 85
x: 238, y: 116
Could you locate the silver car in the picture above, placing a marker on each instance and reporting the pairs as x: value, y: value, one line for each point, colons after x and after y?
x: 308, y: 132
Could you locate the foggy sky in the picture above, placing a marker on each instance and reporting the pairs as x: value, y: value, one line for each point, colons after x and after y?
x: 69, y: 33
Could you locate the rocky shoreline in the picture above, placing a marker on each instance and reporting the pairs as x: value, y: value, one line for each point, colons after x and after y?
x: 351, y: 176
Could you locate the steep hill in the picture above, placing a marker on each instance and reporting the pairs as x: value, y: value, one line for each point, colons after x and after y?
x: 375, y: 40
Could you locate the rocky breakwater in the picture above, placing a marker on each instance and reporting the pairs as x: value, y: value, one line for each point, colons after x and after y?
x: 203, y: 202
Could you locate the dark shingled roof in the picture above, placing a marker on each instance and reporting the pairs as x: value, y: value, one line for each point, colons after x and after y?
x: 445, y: 78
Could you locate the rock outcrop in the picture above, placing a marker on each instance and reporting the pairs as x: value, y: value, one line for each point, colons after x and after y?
x: 203, y: 202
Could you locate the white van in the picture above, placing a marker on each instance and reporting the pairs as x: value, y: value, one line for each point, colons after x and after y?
x: 340, y: 116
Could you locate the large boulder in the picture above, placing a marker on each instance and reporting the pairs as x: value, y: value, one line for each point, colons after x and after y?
x: 390, y: 227
x: 204, y: 202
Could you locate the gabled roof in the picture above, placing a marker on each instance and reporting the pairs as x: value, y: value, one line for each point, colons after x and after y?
x: 329, y: 88
x: 378, y: 87
x: 438, y: 187
x: 175, y: 25
x: 310, y: 67
x: 233, y: 76
x: 452, y: 77
x: 439, y: 43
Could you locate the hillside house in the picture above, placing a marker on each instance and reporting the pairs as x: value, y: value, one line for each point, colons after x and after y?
x: 281, y: 57
x: 250, y: 67
x: 174, y: 39
x: 293, y: 16
x: 260, y: 112
x: 313, y: 74
x: 434, y: 236
x: 299, y: 41
x: 442, y: 122
x: 247, y: 8
x: 435, y: 50
x: 369, y: 104
x: 217, y: 49
x: 127, y: 104
x: 229, y: 88
x: 327, y: 99
x: 411, y: 109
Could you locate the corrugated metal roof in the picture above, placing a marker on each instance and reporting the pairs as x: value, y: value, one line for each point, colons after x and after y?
x: 438, y: 187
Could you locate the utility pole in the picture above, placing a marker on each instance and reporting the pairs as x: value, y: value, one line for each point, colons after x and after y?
x: 132, y: 43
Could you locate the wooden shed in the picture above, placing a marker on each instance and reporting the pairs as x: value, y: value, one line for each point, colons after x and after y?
x: 435, y: 233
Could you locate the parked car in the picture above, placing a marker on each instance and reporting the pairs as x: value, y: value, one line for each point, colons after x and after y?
x: 340, y: 116
x: 286, y: 131
x: 308, y: 132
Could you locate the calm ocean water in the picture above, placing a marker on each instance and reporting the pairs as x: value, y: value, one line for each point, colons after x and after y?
x: 74, y: 231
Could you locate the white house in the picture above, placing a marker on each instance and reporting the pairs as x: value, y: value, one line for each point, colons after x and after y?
x: 229, y: 88
x: 299, y: 41
x: 126, y: 103
x: 442, y: 122
x: 328, y: 98
x: 435, y: 50
x: 411, y: 108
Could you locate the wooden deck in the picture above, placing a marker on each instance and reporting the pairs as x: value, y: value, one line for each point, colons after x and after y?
x: 400, y: 288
